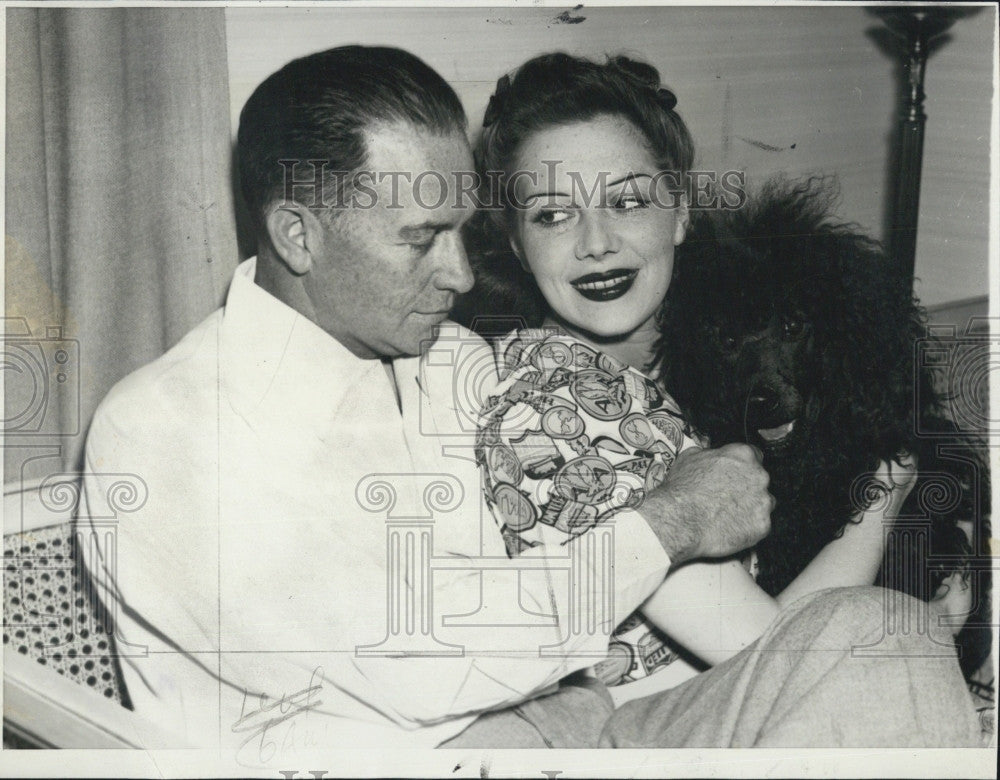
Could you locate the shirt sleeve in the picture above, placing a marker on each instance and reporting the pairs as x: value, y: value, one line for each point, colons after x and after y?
x: 138, y: 562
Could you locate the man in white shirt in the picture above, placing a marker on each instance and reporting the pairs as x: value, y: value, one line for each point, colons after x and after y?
x: 310, y: 564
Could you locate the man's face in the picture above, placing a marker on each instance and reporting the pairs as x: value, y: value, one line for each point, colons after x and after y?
x: 387, y: 269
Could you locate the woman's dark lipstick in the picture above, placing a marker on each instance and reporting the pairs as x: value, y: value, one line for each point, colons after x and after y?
x: 606, y: 286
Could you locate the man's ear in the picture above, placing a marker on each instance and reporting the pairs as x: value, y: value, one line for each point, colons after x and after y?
x: 681, y: 220
x: 294, y: 234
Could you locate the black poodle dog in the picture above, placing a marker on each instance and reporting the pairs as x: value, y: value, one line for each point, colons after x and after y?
x: 786, y: 329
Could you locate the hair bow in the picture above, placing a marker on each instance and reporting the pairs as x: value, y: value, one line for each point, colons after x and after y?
x: 667, y: 98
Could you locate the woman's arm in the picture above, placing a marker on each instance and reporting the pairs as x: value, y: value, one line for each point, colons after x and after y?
x: 715, y: 609
x: 855, y: 557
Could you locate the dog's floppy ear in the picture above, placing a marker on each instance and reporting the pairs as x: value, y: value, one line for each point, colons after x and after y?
x: 869, y: 345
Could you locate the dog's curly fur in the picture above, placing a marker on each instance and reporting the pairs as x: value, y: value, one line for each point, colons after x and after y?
x: 777, y: 312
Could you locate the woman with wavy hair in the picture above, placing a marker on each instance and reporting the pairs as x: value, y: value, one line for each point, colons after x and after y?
x: 586, y: 165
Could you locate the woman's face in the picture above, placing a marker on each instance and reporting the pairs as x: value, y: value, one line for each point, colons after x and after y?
x: 596, y: 227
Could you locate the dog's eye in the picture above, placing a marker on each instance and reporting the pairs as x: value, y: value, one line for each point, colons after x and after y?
x: 792, y: 327
x: 729, y: 341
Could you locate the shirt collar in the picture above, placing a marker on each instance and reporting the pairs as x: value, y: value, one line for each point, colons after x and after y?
x: 280, y: 365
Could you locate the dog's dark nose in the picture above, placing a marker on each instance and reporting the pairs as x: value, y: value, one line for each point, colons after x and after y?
x: 762, y: 401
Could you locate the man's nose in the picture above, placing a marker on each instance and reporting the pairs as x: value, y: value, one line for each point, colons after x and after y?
x: 597, y: 236
x: 454, y: 272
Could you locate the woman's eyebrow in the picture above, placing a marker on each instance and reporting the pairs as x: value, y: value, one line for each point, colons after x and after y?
x: 629, y: 177
x: 531, y: 197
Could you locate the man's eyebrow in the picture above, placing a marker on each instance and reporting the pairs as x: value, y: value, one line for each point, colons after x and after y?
x: 414, y: 231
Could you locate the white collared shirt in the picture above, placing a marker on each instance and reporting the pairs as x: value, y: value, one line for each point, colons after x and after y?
x: 285, y: 489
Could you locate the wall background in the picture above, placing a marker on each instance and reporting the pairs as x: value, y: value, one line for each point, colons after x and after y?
x: 795, y: 89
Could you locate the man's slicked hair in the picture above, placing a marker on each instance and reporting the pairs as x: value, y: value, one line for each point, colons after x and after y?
x: 317, y: 108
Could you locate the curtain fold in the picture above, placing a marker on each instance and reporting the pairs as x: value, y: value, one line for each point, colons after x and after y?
x: 120, y: 230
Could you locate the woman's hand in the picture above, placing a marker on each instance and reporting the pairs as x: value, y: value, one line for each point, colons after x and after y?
x: 950, y: 607
x: 899, y: 479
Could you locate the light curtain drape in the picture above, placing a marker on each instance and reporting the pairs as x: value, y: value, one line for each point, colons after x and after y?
x: 119, y: 210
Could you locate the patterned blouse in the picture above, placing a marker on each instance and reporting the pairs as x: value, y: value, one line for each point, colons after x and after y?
x: 571, y: 437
